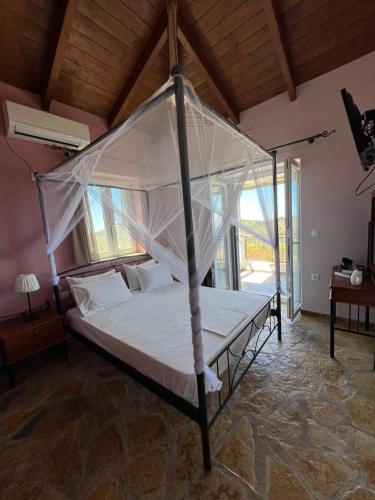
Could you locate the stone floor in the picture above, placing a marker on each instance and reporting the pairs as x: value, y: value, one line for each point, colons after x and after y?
x: 299, y: 426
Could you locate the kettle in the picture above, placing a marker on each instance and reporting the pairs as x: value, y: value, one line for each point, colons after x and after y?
x: 356, y: 277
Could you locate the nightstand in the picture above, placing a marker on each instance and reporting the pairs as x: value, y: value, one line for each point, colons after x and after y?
x: 20, y: 339
x: 341, y: 290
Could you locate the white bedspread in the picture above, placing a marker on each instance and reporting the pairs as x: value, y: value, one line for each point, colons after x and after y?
x: 224, y: 319
x: 152, y: 333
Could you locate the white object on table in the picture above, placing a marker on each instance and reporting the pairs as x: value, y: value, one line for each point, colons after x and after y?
x: 356, y: 278
x: 342, y: 275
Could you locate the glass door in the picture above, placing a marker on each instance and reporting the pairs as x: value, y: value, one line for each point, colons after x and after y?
x: 293, y: 233
x: 222, y: 265
x: 222, y: 268
x: 256, y: 258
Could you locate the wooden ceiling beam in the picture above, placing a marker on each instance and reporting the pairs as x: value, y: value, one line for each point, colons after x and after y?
x: 279, y: 44
x: 58, y: 57
x: 172, y: 33
x: 191, y: 48
x: 153, y: 47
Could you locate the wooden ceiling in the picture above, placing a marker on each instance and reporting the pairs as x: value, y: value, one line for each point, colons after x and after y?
x: 107, y: 56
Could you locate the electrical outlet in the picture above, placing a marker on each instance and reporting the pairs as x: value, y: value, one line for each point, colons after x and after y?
x: 315, y: 233
x: 315, y: 277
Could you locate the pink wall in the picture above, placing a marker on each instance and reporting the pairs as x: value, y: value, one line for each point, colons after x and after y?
x: 22, y: 243
x: 330, y: 168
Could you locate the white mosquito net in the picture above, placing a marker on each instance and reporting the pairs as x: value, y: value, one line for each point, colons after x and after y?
x: 141, y: 157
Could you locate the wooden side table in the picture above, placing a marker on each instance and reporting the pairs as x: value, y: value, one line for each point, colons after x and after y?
x: 20, y: 339
x: 341, y: 290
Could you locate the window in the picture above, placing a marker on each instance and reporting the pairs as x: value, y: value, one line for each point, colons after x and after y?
x: 105, y: 215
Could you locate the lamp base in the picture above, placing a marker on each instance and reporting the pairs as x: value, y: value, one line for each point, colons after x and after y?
x: 30, y: 316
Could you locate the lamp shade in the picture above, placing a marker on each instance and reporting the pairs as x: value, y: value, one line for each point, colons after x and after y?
x: 26, y: 283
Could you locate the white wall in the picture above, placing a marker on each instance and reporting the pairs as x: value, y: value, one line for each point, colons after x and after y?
x: 330, y: 168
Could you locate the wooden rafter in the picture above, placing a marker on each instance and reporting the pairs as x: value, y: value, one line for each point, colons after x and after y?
x: 276, y: 33
x: 201, y: 61
x: 155, y: 43
x: 66, y: 26
x: 172, y: 32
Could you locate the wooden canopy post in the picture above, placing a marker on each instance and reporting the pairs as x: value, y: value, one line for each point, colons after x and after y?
x: 172, y: 33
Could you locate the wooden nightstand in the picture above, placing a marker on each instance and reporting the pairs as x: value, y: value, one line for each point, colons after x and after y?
x: 20, y: 339
x: 341, y: 290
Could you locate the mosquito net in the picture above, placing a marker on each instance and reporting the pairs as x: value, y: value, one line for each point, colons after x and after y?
x: 141, y: 158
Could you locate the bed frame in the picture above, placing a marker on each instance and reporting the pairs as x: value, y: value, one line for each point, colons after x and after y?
x: 204, y: 414
x: 266, y: 321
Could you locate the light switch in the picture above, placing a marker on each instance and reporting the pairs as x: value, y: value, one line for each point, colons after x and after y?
x: 315, y: 233
x: 315, y: 277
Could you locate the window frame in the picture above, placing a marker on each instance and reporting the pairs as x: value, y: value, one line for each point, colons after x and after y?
x: 109, y: 220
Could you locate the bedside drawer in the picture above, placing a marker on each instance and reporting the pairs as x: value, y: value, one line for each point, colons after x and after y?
x: 37, y: 338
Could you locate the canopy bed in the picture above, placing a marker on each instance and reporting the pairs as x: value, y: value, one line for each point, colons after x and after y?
x: 183, y: 167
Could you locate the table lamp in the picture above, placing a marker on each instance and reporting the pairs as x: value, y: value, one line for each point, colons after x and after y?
x: 26, y: 283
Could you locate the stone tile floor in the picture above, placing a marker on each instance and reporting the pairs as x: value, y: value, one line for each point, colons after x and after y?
x: 299, y: 426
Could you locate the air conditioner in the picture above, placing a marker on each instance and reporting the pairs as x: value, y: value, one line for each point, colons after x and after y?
x: 31, y: 124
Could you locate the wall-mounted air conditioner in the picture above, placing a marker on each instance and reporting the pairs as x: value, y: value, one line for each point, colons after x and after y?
x: 31, y: 124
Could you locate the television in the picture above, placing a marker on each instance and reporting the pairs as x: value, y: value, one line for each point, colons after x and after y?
x: 371, y: 241
x: 363, y: 130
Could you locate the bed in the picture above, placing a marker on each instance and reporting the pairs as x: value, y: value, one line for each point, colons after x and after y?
x: 155, y: 347
x: 182, y: 167
x: 151, y: 332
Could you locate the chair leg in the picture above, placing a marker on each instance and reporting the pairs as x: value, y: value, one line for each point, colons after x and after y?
x: 367, y: 320
x: 332, y: 329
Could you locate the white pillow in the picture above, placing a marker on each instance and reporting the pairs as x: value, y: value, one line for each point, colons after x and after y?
x: 152, y: 277
x: 97, y: 295
x: 87, y: 279
x: 132, y: 274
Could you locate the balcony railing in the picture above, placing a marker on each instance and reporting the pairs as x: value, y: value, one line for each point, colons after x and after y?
x: 253, y: 249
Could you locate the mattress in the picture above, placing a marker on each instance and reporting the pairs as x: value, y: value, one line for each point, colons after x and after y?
x: 151, y: 332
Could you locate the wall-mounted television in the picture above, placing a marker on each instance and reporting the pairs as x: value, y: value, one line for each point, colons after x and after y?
x: 371, y: 241
x: 363, y: 130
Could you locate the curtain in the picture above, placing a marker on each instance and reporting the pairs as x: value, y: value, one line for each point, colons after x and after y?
x: 80, y: 245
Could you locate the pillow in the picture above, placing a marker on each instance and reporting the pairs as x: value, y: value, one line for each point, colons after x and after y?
x: 97, y: 295
x: 132, y: 274
x: 152, y: 277
x: 87, y: 279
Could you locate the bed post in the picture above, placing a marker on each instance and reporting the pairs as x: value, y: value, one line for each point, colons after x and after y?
x: 277, y: 243
x: 177, y: 74
x: 51, y: 258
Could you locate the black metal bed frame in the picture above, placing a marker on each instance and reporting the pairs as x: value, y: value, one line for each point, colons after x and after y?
x: 246, y: 357
x: 256, y: 333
